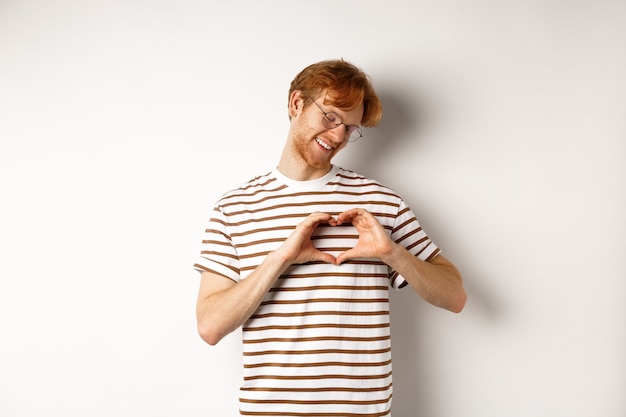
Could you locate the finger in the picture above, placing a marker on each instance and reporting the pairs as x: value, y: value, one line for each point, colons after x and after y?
x: 314, y: 219
x: 347, y: 216
x: 324, y: 257
x: 346, y: 256
x: 318, y: 216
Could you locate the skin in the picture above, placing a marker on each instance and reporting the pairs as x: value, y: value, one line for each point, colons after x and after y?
x: 303, y: 157
x: 223, y: 305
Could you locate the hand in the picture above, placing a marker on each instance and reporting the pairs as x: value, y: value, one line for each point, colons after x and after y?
x: 374, y: 242
x: 299, y: 249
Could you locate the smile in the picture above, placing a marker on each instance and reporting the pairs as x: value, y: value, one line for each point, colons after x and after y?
x: 324, y: 144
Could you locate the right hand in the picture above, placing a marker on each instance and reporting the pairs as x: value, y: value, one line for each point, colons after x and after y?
x: 299, y: 249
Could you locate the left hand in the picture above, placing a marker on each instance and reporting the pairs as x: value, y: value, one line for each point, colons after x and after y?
x: 374, y: 242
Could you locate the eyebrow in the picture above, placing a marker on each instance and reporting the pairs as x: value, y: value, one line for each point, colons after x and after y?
x: 340, y: 114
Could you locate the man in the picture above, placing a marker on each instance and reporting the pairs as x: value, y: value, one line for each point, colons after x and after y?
x: 303, y: 256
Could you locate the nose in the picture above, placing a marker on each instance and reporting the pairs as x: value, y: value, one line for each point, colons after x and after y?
x: 338, y: 133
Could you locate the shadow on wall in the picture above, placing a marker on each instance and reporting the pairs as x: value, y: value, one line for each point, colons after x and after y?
x: 415, y: 356
x: 405, y: 123
x: 404, y: 117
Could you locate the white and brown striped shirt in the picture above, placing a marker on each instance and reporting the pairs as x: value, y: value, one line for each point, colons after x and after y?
x: 319, y: 344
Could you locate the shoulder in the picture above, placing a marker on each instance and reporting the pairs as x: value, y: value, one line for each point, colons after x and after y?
x: 349, y: 178
x: 250, y: 191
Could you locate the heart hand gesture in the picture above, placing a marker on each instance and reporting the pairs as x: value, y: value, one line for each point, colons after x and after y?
x: 299, y: 249
x: 374, y: 242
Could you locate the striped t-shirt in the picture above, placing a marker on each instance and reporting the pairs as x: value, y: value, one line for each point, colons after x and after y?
x: 319, y: 344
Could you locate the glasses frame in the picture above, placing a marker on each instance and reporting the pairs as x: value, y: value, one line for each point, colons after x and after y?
x: 329, y: 124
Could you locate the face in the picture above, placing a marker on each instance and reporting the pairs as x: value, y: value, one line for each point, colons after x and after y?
x: 314, y: 144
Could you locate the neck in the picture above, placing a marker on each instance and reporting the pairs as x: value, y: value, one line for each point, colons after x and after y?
x: 295, y: 167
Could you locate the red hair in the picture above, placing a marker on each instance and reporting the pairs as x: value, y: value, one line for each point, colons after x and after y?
x: 346, y: 86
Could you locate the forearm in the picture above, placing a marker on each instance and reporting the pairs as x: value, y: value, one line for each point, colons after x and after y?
x: 222, y: 312
x: 438, y: 282
x: 223, y: 308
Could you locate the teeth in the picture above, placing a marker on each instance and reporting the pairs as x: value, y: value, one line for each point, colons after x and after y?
x: 323, y: 144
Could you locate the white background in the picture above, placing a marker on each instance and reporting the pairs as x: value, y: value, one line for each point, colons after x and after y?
x: 121, y: 122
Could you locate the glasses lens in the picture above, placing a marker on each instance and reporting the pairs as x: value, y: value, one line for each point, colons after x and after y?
x: 332, y: 120
x: 353, y: 133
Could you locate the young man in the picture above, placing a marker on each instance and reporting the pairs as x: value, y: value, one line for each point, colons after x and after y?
x: 303, y: 256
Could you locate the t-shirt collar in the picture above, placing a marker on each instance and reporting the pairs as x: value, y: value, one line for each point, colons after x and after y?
x: 309, y: 184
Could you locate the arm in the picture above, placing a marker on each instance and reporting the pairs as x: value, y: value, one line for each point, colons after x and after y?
x: 437, y: 281
x: 223, y: 305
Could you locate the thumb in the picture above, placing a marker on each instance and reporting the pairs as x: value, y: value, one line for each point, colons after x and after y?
x: 345, y: 256
x: 324, y: 257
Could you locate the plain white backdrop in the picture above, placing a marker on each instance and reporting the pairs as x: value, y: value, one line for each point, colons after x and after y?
x: 121, y: 122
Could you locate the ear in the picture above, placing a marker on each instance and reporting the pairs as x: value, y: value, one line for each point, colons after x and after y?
x: 296, y: 103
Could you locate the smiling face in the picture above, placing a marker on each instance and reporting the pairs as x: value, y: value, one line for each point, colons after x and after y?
x: 311, y: 146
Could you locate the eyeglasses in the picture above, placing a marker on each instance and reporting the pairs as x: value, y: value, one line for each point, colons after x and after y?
x: 331, y: 120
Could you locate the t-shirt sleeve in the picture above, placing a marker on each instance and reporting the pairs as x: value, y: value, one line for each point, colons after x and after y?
x: 217, y: 252
x: 408, y: 232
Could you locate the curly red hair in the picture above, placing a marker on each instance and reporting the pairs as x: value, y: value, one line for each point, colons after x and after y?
x: 346, y: 86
